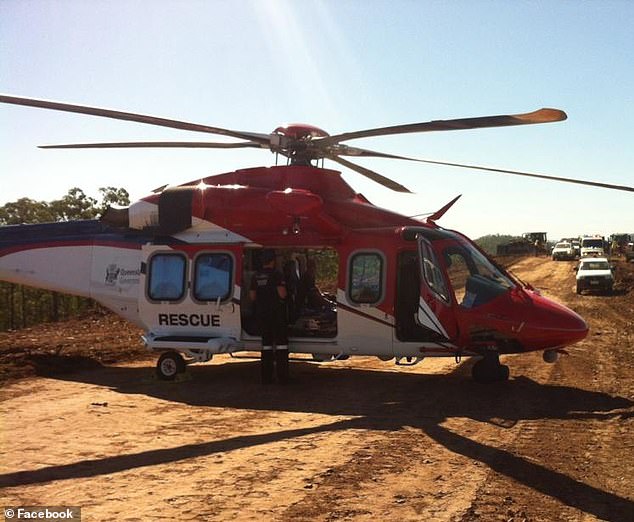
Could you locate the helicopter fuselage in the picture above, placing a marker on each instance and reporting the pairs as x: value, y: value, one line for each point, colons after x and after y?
x: 178, y: 264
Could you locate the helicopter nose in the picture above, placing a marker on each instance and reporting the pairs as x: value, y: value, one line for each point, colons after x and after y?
x: 553, y: 325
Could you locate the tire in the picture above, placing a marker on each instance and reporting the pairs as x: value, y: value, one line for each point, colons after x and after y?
x: 503, y: 373
x: 479, y: 372
x: 486, y: 371
x: 169, y: 365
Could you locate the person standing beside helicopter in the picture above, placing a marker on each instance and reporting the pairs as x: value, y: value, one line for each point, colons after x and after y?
x: 268, y: 292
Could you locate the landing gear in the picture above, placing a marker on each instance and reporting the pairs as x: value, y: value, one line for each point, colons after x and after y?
x: 489, y: 369
x: 169, y: 365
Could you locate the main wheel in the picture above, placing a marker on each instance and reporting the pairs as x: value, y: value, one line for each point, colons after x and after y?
x: 169, y: 365
x: 489, y: 369
x: 503, y: 373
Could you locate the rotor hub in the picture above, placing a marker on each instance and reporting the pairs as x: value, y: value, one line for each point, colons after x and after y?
x: 296, y: 142
x: 300, y: 131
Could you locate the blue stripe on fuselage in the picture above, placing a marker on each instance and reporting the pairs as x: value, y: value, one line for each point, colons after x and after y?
x: 17, y: 236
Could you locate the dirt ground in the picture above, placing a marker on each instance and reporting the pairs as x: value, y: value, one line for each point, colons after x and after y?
x: 353, y: 440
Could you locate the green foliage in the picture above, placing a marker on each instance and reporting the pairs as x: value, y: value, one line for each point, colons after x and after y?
x: 26, y: 210
x: 74, y: 205
x: 490, y: 242
x: 21, y: 306
x: 111, y: 196
x: 327, y: 262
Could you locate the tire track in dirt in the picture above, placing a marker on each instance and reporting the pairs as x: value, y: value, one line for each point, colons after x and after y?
x: 588, y: 455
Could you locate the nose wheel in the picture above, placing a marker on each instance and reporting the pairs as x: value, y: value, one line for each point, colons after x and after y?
x: 169, y: 365
x: 489, y: 369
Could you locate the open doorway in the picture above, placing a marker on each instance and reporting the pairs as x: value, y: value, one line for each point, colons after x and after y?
x: 311, y: 283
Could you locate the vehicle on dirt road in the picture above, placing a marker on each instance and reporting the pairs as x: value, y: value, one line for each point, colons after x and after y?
x: 592, y: 246
x: 595, y: 274
x: 563, y: 251
x: 531, y: 243
x: 619, y: 244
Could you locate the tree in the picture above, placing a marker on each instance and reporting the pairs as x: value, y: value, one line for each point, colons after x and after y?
x: 113, y: 196
x: 490, y: 242
x: 26, y: 210
x: 75, y: 205
x: 22, y: 307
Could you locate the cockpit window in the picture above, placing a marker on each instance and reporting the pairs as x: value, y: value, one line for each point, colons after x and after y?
x: 470, y: 276
x: 458, y: 272
x: 432, y: 272
x: 474, y: 279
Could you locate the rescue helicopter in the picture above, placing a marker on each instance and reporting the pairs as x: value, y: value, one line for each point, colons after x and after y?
x: 178, y: 262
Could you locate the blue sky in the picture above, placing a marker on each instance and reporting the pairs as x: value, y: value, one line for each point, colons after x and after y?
x: 342, y: 66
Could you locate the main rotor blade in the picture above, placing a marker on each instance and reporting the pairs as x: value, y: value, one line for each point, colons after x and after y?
x: 353, y: 151
x: 529, y: 174
x: 345, y: 150
x: 374, y: 176
x: 156, y: 144
x: 539, y: 116
x: 263, y: 139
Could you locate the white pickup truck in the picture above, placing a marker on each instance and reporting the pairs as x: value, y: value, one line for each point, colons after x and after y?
x: 595, y: 274
x: 563, y: 250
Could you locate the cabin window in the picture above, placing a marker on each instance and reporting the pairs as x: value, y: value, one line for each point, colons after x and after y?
x: 167, y: 277
x: 212, y: 277
x: 366, y: 278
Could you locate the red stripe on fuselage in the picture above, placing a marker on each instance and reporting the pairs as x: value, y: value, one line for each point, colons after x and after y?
x: 361, y: 314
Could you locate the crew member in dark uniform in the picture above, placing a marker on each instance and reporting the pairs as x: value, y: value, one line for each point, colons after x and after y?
x: 268, y: 291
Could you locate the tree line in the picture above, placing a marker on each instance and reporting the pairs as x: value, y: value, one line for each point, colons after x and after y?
x: 24, y: 306
x: 490, y: 242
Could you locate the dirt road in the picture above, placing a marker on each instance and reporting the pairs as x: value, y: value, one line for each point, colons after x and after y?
x: 356, y: 440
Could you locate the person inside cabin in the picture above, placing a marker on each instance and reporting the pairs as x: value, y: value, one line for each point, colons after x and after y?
x: 308, y: 295
x: 292, y: 277
x: 268, y: 292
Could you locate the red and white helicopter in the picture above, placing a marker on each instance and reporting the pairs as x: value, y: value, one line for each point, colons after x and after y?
x: 178, y: 262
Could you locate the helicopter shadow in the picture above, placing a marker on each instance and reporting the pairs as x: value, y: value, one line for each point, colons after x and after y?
x: 390, y: 395
x: 377, y: 400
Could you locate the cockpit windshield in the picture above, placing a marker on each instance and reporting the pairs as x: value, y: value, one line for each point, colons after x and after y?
x: 474, y: 280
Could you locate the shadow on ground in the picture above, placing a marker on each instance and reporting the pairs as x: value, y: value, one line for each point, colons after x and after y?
x: 378, y: 400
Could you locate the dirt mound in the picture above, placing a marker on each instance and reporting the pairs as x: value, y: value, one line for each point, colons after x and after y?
x: 624, y: 277
x: 78, y: 343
